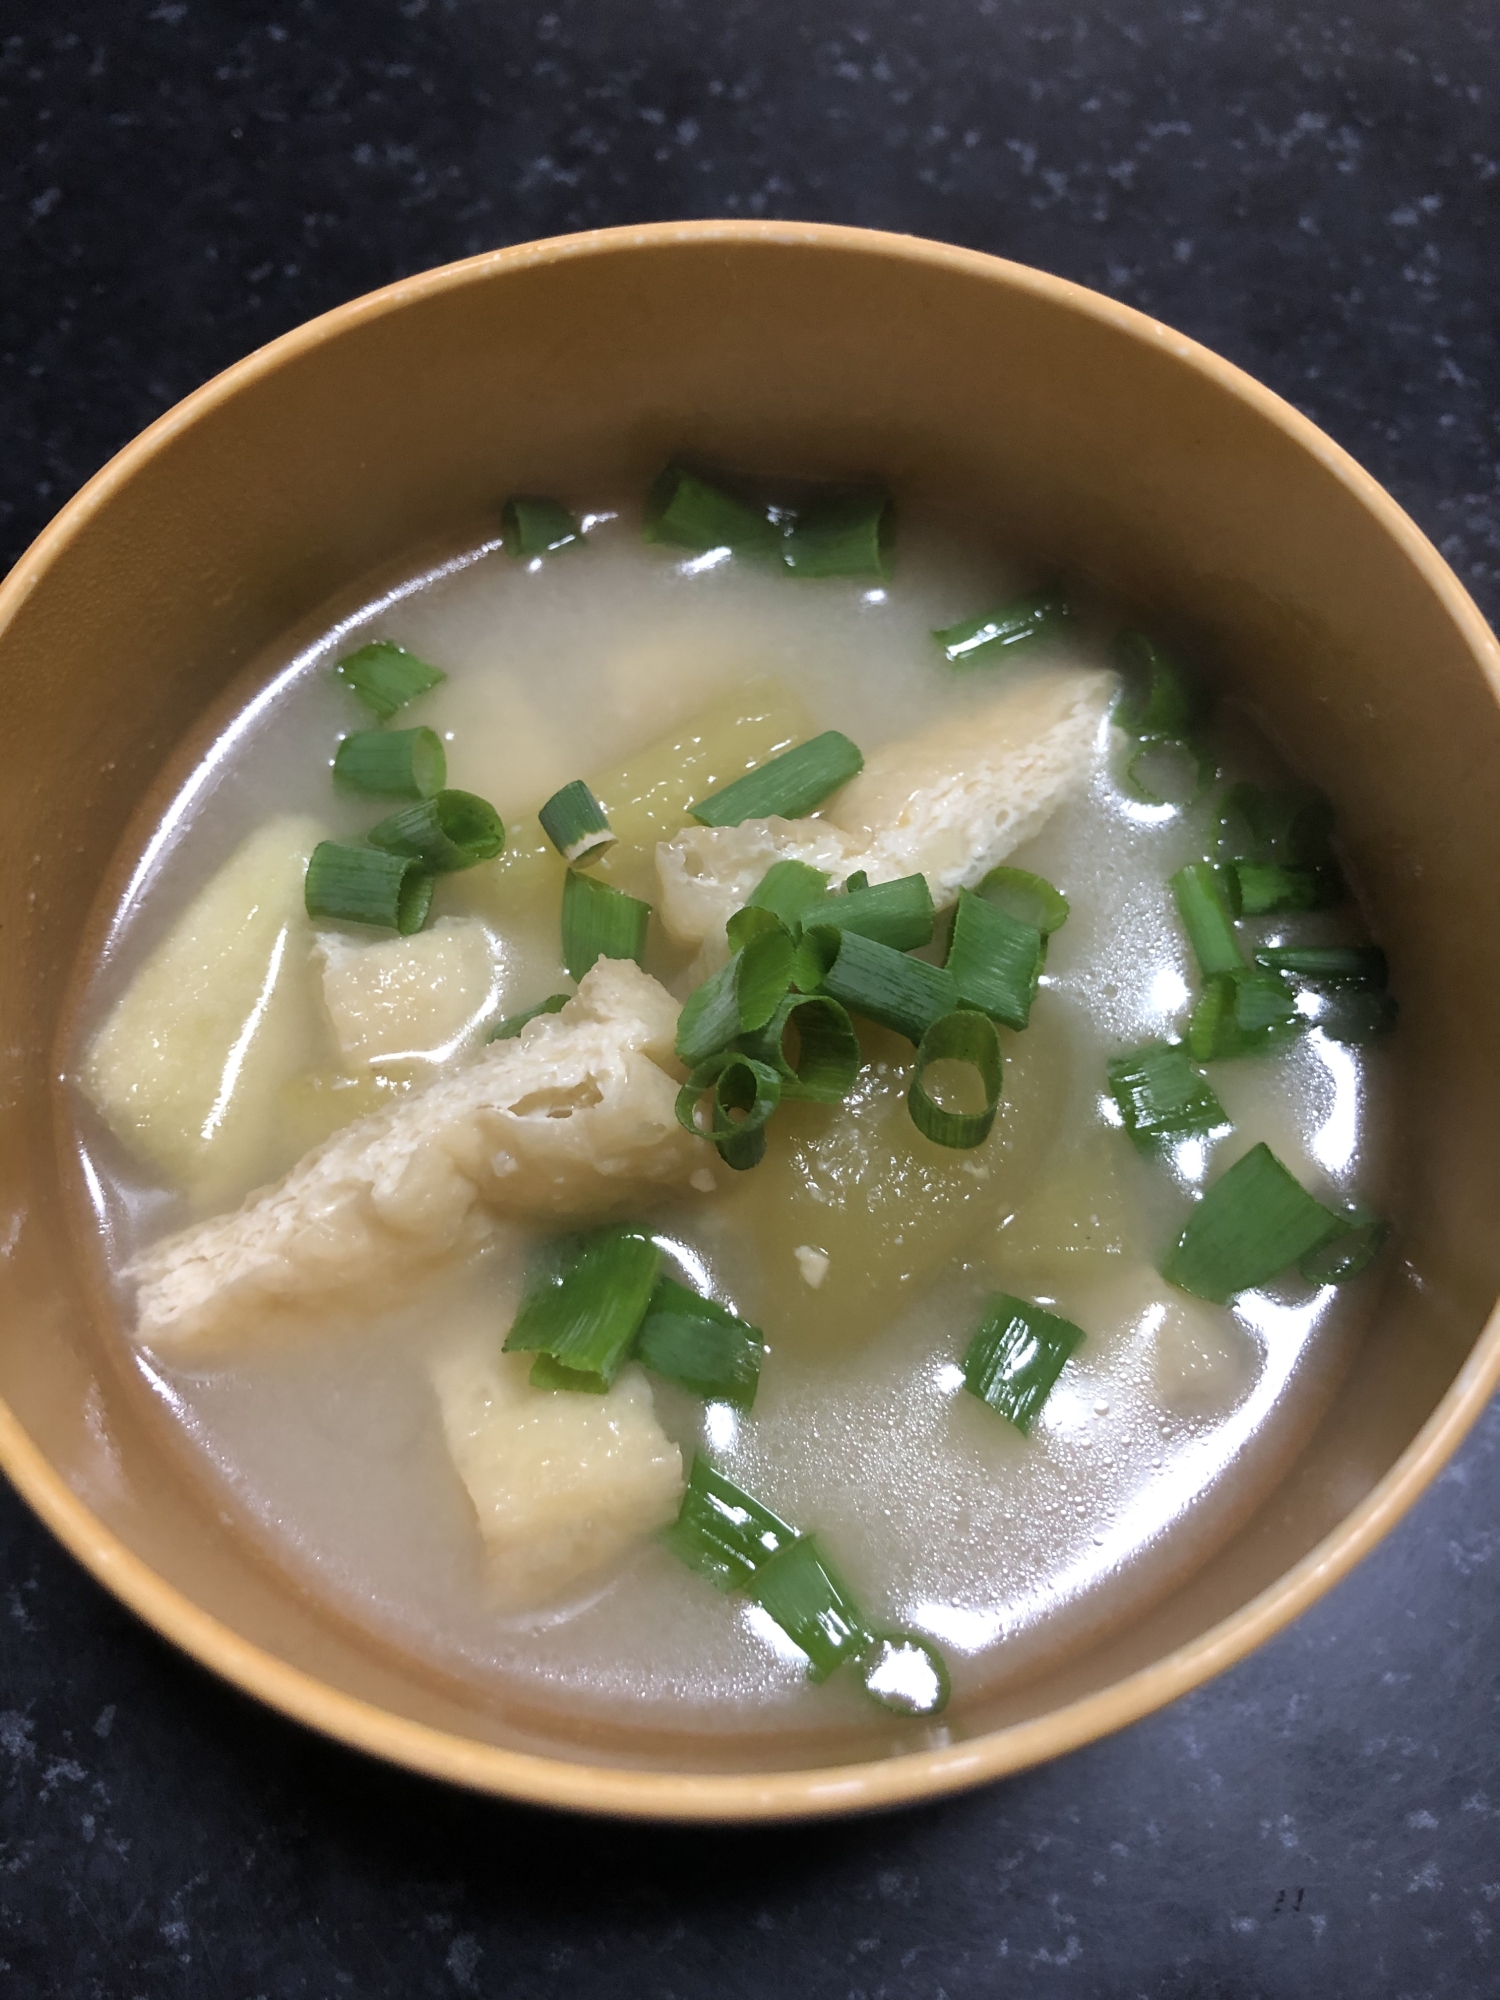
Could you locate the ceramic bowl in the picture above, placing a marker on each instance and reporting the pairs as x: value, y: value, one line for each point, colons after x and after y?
x: 1091, y: 437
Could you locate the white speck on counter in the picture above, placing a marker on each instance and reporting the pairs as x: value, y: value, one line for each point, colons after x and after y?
x: 813, y: 1264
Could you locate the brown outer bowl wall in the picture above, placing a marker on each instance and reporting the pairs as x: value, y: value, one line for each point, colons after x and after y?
x: 609, y: 1788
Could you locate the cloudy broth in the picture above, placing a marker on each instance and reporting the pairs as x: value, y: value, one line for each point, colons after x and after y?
x: 1168, y: 1425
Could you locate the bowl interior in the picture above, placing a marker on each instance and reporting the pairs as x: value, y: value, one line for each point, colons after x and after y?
x: 1092, y: 439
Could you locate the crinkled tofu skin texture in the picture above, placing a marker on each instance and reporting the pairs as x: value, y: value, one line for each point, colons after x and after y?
x: 573, y: 1120
x: 562, y: 1482
x: 949, y: 803
x: 188, y: 1065
x: 422, y: 998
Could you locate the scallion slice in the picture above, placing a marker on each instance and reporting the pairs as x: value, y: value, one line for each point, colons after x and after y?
x: 966, y: 1037
x: 1348, y: 1253
x: 1242, y: 1013
x: 828, y: 1052
x: 700, y: 1344
x: 511, y: 1026
x: 898, y: 913
x: 788, y: 889
x: 788, y: 786
x: 449, y: 831
x: 906, y: 1674
x: 1266, y: 889
x: 1030, y: 899
x: 1327, y: 964
x: 530, y: 526
x: 901, y: 993
x: 739, y: 998
x: 1287, y: 828
x: 600, y: 922
x: 1161, y: 700
x: 745, y: 1093
x: 1355, y: 1014
x: 1162, y: 1094
x: 573, y: 820
x: 1255, y: 1221
x: 690, y: 512
x: 721, y: 1532
x: 842, y: 534
x: 386, y: 677
x: 583, y: 1310
x: 1045, y: 614
x: 1165, y: 771
x: 392, y: 763
x: 1204, y: 904
x: 1016, y: 1356
x: 361, y: 885
x: 995, y: 959
x: 549, y: 1374
x: 808, y: 1599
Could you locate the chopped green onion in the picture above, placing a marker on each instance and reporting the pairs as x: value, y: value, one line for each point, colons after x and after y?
x: 386, y: 677
x: 842, y: 534
x: 800, y: 1589
x: 360, y: 885
x: 1045, y: 614
x: 1162, y: 1094
x: 600, y: 922
x: 745, y: 1093
x: 1267, y: 889
x: 692, y: 513
x: 828, y: 1051
x: 1030, y: 899
x: 1352, y: 1014
x: 511, y: 1026
x: 898, y: 913
x: 788, y: 889
x: 752, y: 922
x: 1348, y: 1253
x: 860, y: 879
x: 905, y: 994
x: 1327, y: 964
x: 535, y: 527
x: 906, y: 1674
x: 963, y: 1037
x: 1016, y: 1356
x: 392, y: 763
x: 573, y: 820
x: 1242, y: 1013
x: 788, y: 786
x: 995, y: 959
x: 721, y: 1532
x: 1254, y: 1222
x: 1161, y: 700
x: 1289, y: 828
x: 583, y: 1311
x: 701, y: 1344
x: 740, y: 997
x: 549, y: 1374
x: 449, y: 831
x: 1165, y: 771
x: 1203, y: 903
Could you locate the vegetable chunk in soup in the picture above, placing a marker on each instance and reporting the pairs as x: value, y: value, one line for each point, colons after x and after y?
x: 709, y: 1112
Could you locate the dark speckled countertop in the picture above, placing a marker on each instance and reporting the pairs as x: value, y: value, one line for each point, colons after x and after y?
x: 1313, y: 191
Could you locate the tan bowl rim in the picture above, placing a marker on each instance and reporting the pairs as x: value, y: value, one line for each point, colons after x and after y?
x: 625, y: 1792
